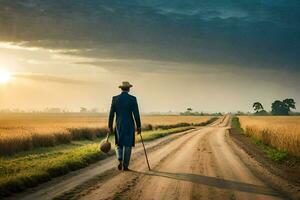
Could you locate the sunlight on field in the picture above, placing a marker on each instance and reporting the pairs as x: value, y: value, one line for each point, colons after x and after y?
x: 21, y: 132
x: 49, y: 123
x: 282, y: 132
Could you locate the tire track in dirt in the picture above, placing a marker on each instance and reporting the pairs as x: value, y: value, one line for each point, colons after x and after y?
x: 200, y: 165
x: 114, y: 190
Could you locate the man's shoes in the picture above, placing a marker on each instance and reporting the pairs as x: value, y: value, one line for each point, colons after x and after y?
x: 126, y: 169
x: 120, y: 166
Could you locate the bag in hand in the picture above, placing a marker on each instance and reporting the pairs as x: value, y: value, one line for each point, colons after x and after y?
x: 105, y: 145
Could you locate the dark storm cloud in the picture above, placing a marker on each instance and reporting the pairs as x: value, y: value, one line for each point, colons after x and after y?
x: 253, y: 34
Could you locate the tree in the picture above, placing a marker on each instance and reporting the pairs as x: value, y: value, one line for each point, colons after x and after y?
x: 283, y: 107
x: 258, y: 107
x: 290, y: 103
x: 83, y: 110
x: 189, y: 109
x: 279, y: 108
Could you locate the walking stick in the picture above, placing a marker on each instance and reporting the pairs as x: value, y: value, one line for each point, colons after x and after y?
x: 145, y: 152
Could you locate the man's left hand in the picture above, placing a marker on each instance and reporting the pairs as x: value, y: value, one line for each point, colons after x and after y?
x: 139, y: 131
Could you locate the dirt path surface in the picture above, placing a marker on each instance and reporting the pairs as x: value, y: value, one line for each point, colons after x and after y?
x: 196, y: 164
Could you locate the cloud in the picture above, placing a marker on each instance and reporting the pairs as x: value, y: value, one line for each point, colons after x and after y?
x: 249, y: 34
x: 51, y: 78
x: 17, y: 46
x: 135, y: 66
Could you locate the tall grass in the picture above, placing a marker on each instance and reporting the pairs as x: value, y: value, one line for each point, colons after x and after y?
x: 26, y: 132
x: 10, y: 144
x: 283, y: 133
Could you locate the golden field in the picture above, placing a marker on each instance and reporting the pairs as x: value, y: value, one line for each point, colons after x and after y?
x: 11, y: 124
x: 281, y: 132
x: 19, y: 132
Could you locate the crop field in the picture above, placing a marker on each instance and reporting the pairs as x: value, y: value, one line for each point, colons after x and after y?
x: 49, y: 123
x: 31, y: 154
x: 21, y: 132
x: 281, y: 132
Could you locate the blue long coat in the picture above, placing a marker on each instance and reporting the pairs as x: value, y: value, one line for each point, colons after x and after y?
x: 126, y: 108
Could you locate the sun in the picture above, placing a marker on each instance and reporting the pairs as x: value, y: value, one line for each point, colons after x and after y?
x: 4, y: 76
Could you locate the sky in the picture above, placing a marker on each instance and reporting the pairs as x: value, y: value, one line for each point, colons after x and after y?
x: 213, y: 56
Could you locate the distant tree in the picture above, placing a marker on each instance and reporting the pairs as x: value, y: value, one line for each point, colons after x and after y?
x: 189, y: 109
x: 257, y: 107
x: 295, y: 113
x: 279, y: 108
x: 290, y: 103
x: 262, y: 113
x: 240, y: 113
x: 83, y: 110
x: 283, y: 107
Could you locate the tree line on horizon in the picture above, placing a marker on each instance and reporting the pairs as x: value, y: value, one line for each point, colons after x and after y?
x: 190, y: 112
x: 277, y: 107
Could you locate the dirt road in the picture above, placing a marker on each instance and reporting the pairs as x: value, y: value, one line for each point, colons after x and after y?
x: 192, y: 165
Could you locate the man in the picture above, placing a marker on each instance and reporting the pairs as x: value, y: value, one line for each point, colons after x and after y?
x: 126, y: 108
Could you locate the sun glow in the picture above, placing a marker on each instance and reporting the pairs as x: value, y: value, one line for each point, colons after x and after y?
x: 4, y: 76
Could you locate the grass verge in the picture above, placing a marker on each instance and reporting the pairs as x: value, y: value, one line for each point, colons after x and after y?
x: 235, y: 123
x: 271, y: 152
x: 30, y: 168
x: 151, y: 135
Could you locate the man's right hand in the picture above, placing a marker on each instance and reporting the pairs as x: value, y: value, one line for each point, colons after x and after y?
x: 139, y: 131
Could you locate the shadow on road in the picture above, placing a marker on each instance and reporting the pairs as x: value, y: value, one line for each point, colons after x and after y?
x: 214, y: 182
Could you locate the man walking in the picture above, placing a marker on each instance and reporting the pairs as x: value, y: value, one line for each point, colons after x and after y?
x: 126, y: 108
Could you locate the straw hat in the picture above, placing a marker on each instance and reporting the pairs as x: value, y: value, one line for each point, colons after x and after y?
x: 105, y: 145
x: 125, y: 84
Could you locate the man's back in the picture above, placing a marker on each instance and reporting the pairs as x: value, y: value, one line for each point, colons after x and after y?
x: 125, y: 106
x: 126, y: 109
